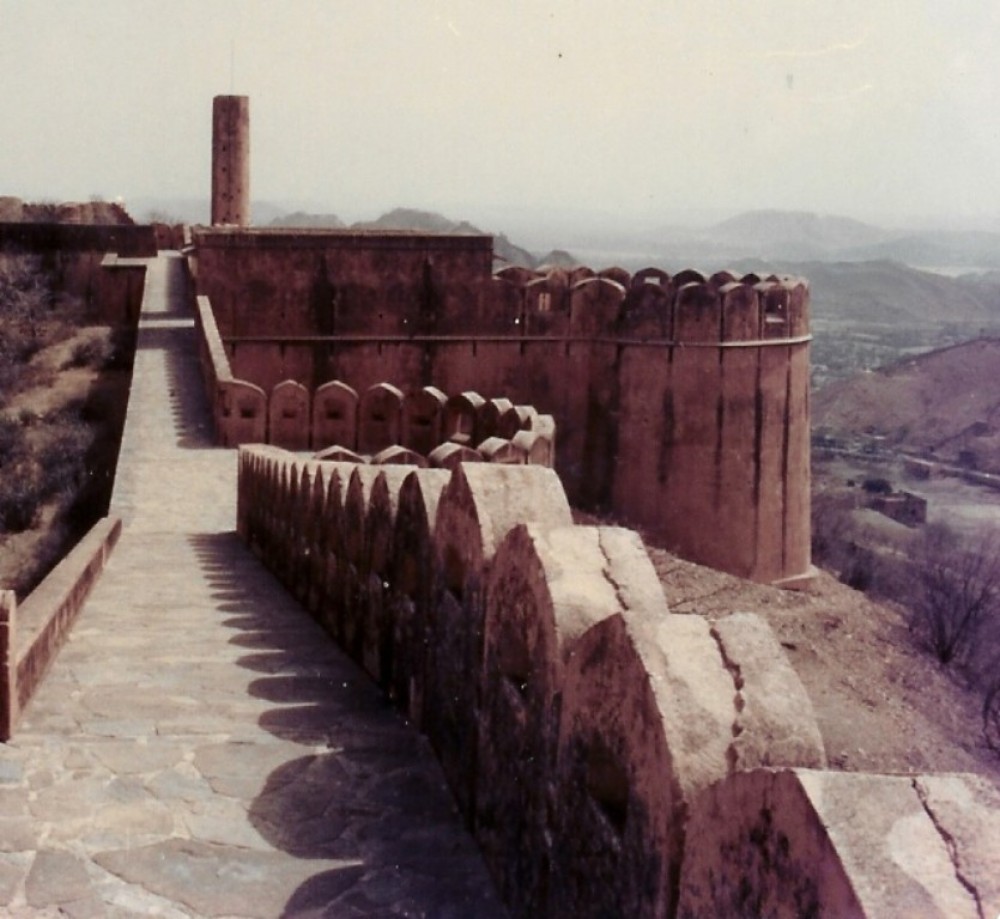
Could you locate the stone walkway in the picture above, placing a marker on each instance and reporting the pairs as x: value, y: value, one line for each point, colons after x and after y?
x: 200, y: 748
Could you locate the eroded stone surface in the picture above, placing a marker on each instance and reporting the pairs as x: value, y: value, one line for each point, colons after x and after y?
x: 775, y: 724
x: 802, y: 842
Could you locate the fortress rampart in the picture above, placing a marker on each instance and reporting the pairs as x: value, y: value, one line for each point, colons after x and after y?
x: 681, y: 401
x: 611, y: 757
x: 100, y: 263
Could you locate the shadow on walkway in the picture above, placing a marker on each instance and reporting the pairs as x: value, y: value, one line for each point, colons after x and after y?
x: 369, y: 792
x: 172, y: 331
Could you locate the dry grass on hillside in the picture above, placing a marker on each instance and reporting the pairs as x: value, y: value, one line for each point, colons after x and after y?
x: 882, y: 704
x: 62, y: 384
x: 937, y: 401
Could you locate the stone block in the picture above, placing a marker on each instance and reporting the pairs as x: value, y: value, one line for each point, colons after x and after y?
x: 774, y: 307
x: 423, y: 420
x: 335, y: 416
x: 545, y: 590
x: 646, y: 311
x: 479, y: 506
x: 697, y: 312
x: 688, y: 276
x: 536, y: 447
x: 616, y: 273
x: 242, y: 413
x: 775, y: 723
x: 516, y: 274
x: 647, y: 711
x: 461, y: 416
x: 399, y: 456
x: 354, y: 570
x: 332, y: 561
x: 488, y: 422
x: 375, y: 634
x: 288, y: 416
x: 965, y: 810
x: 449, y: 455
x: 595, y: 305
x: 526, y: 415
x: 497, y: 450
x: 315, y: 540
x: 379, y: 418
x: 807, y: 843
x: 413, y: 585
x: 338, y: 454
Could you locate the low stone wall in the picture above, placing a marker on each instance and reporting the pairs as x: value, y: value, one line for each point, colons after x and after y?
x: 383, y: 423
x: 612, y: 758
x: 103, y: 264
x: 121, y: 287
x: 32, y: 634
x: 800, y: 842
x: 239, y: 409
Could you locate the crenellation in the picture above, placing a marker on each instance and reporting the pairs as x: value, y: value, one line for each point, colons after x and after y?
x: 423, y: 420
x: 682, y: 374
x: 606, y: 752
x: 461, y: 418
x: 380, y: 418
x: 413, y: 585
x: 335, y: 415
x: 288, y: 414
x: 740, y: 312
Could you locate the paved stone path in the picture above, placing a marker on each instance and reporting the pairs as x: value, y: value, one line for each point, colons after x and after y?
x: 199, y: 747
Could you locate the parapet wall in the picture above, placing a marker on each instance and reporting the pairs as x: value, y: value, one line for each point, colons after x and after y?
x: 426, y: 425
x: 612, y: 758
x: 682, y: 401
x: 32, y: 634
x: 103, y: 264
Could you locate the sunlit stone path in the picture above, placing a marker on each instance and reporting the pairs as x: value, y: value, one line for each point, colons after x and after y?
x: 199, y: 747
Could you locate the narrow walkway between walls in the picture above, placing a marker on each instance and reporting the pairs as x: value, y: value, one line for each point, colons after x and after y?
x: 199, y: 747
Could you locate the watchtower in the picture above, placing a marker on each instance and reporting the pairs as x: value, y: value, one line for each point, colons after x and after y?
x: 231, y: 161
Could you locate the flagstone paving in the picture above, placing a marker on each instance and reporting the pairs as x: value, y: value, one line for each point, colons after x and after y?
x: 199, y: 747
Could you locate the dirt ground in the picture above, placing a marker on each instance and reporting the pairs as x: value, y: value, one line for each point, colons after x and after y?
x: 882, y: 704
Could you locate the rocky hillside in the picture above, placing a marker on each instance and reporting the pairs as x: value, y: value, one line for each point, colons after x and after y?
x: 944, y: 402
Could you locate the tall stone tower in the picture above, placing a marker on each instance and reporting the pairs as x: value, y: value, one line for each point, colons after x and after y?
x: 231, y: 160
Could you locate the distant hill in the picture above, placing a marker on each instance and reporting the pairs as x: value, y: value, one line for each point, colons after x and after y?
x: 794, y: 235
x: 308, y: 221
x: 894, y: 294
x: 934, y: 248
x: 402, y: 218
x: 944, y: 402
x: 803, y: 236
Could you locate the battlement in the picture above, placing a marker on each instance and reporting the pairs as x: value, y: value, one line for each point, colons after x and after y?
x: 681, y: 400
x: 611, y: 758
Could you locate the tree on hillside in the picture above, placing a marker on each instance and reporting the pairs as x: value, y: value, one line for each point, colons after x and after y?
x: 957, y: 589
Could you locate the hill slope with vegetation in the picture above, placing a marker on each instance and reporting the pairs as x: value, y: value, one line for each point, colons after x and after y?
x: 64, y: 383
x: 942, y: 403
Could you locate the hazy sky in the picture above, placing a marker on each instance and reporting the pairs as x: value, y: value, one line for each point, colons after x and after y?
x: 870, y: 108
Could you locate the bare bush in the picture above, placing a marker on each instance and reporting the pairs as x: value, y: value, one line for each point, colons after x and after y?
x: 956, y: 591
x: 991, y: 716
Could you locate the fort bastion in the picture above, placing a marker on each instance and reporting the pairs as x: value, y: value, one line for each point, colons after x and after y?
x: 681, y: 401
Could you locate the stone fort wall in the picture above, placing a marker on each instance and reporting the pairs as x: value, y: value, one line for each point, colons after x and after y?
x: 100, y: 263
x: 681, y: 401
x: 612, y: 758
